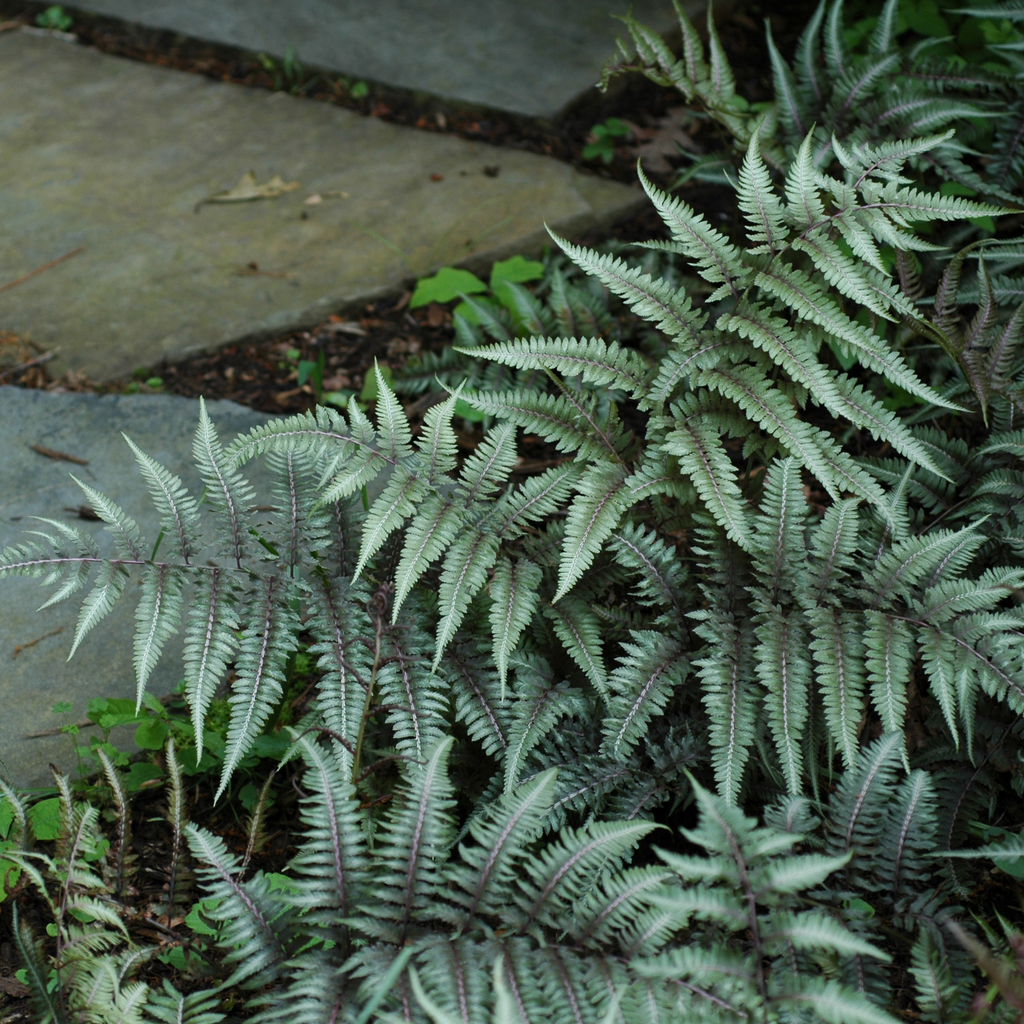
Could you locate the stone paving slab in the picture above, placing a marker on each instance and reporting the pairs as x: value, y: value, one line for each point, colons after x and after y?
x: 531, y: 57
x: 87, y: 426
x: 113, y: 155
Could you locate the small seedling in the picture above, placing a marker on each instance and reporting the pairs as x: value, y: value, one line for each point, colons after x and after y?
x: 312, y: 371
x: 288, y: 72
x: 604, y: 136
x: 55, y: 18
x: 447, y: 284
x: 359, y: 91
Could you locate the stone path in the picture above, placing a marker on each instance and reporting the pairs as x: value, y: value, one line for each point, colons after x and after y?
x: 530, y: 57
x: 88, y: 427
x: 113, y: 155
x: 110, y: 160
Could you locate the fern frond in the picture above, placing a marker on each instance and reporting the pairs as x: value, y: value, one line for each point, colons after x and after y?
x: 489, y: 869
x: 169, y: 1006
x: 756, y: 197
x: 594, y: 360
x: 640, y: 686
x: 396, y: 503
x: 465, y: 571
x: 593, y: 515
x: 228, y: 493
x: 717, y: 259
x: 782, y: 668
x: 888, y: 658
x: 514, y: 598
x: 566, y: 868
x: 729, y: 697
x: 179, y: 516
x: 267, y: 639
x: 156, y: 620
x: 416, y: 702
x: 411, y: 849
x: 838, y: 654
x: 99, y: 602
x: 695, y: 443
x: 210, y: 643
x: 254, y: 930
x: 430, y: 534
x: 331, y: 866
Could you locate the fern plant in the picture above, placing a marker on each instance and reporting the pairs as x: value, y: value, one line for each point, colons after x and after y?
x: 564, y: 931
x: 884, y: 90
x: 741, y: 568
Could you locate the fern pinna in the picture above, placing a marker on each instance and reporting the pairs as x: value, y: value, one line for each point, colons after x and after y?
x: 661, y: 604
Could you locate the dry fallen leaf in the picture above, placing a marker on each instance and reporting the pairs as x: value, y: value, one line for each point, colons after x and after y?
x: 317, y: 198
x: 665, y: 140
x: 343, y: 327
x: 247, y: 190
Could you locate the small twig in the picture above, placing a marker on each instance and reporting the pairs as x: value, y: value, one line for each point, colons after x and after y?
x: 38, y: 361
x: 45, y: 266
x: 51, y: 454
x: 367, y: 772
x: 57, y: 730
x: 32, y: 643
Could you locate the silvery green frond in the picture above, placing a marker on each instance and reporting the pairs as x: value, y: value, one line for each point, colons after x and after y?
x: 514, y: 595
x: 593, y: 515
x: 331, y: 867
x: 256, y: 931
x: 99, y: 602
x: 428, y: 536
x: 756, y: 197
x: 227, y: 492
x: 156, y: 619
x: 179, y: 515
x: 269, y: 630
x: 784, y: 670
x: 730, y: 698
x: 838, y: 651
x: 640, y: 686
x: 555, y: 418
x: 533, y: 500
x: 696, y: 442
x: 337, y: 620
x: 669, y: 309
x: 125, y: 531
x: 463, y: 576
x: 168, y: 1006
x: 579, y: 629
x: 489, y: 867
x: 210, y: 642
x: 438, y: 444
x: 413, y: 693
x: 396, y: 503
x: 479, y: 699
x: 538, y: 702
x: 594, y: 360
x: 412, y: 847
x: 717, y: 260
x: 567, y: 867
